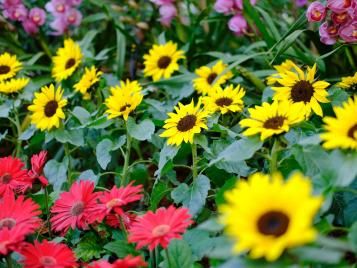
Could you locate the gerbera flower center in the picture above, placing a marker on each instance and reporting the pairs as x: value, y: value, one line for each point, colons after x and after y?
x: 352, y: 132
x: 273, y: 223
x: 123, y: 108
x: 48, y: 260
x: 70, y: 63
x: 211, y: 78
x: 5, y: 178
x: 186, y: 123
x: 161, y: 230
x: 164, y: 62
x: 51, y: 108
x: 77, y: 208
x: 4, y: 69
x: 224, y: 101
x: 114, y: 202
x: 302, y: 91
x: 7, y: 222
x: 274, y: 122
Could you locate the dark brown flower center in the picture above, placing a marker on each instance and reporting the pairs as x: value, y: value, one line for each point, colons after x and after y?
x: 302, y: 91
x: 211, y: 78
x: 186, y: 123
x: 77, y: 208
x: 273, y: 223
x: 352, y: 132
x: 7, y: 222
x: 123, y: 108
x: 48, y: 261
x: 274, y: 122
x: 5, y: 178
x: 51, y: 108
x: 224, y: 101
x: 4, y: 69
x: 70, y: 63
x: 164, y: 62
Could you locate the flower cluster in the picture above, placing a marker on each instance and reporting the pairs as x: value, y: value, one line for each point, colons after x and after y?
x: 338, y: 20
x: 167, y: 10
x: 237, y: 24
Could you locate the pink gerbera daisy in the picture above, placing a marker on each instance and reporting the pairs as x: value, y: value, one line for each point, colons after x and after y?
x: 115, y: 220
x: 20, y: 212
x: 128, y: 262
x: 73, y: 209
x: 38, y: 161
x: 159, y: 228
x: 47, y: 254
x: 10, y: 239
x: 12, y: 175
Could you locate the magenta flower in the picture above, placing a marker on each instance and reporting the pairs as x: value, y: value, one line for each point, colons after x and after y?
x: 30, y: 27
x: 167, y: 13
x: 74, y: 2
x: 10, y: 3
x: 59, y: 25
x: 328, y: 33
x: 238, y: 25
x: 316, y: 12
x: 340, y: 18
x: 73, y: 17
x: 16, y: 13
x: 339, y: 6
x: 57, y: 6
x: 349, y: 32
x: 301, y: 3
x: 224, y: 6
x: 162, y: 2
x: 37, y: 16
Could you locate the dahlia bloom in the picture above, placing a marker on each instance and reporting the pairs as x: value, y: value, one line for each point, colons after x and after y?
x: 128, y: 262
x: 47, y: 254
x: 10, y: 240
x: 12, y: 175
x: 73, y: 208
x: 159, y: 228
x: 38, y: 162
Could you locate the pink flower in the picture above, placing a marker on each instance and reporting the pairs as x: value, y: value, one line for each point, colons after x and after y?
x: 16, y: 13
x: 167, y: 13
x: 349, y: 32
x: 339, y: 6
x: 74, y: 2
x: 238, y: 25
x: 224, y: 6
x: 328, y: 33
x: 10, y: 240
x: 340, y: 18
x: 57, y: 6
x: 37, y: 16
x: 73, y: 17
x: 37, y: 163
x: 59, y: 25
x: 316, y: 12
x: 162, y: 2
x: 30, y: 27
x: 301, y: 3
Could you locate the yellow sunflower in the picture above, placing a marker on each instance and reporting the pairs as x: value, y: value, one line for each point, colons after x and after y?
x: 162, y: 61
x: 272, y: 119
x: 185, y: 123
x: 206, y: 80
x: 47, y: 108
x: 225, y: 100
x: 89, y: 78
x: 13, y: 85
x: 349, y: 82
x: 66, y: 60
x: 124, y: 99
x: 286, y: 66
x: 295, y: 87
x: 9, y: 66
x: 341, y: 132
x: 266, y: 215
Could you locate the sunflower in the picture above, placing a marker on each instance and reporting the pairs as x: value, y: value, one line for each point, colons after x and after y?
x: 341, y: 132
x: 47, y: 107
x: 295, y: 87
x: 349, y: 82
x: 210, y: 78
x: 9, y: 66
x: 89, y: 78
x: 225, y: 100
x: 162, y: 61
x: 266, y: 214
x: 271, y: 119
x: 13, y: 85
x: 66, y: 60
x: 184, y: 124
x: 286, y: 66
x: 124, y: 99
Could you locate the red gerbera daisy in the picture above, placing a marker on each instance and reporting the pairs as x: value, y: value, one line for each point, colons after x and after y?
x: 47, y: 254
x: 73, y: 209
x: 159, y: 228
x: 113, y: 220
x: 12, y: 175
x: 128, y: 262
x: 20, y: 212
x: 37, y: 163
x: 10, y: 239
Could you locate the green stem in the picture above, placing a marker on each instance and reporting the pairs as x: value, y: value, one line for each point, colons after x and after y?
x: 48, y: 212
x: 167, y: 257
x: 122, y: 225
x: 68, y: 155
x: 194, y: 161
x: 9, y: 261
x: 255, y: 80
x: 19, y: 132
x: 44, y: 46
x: 274, y: 157
x: 350, y: 57
x: 126, y: 159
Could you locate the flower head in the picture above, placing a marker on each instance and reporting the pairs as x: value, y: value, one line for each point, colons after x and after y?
x: 90, y: 77
x: 9, y: 66
x: 10, y: 239
x: 159, y: 228
x: 238, y: 25
x: 47, y: 108
x: 37, y: 16
x: 286, y: 66
x: 13, y: 85
x: 316, y: 12
x: 38, y: 162
x: 128, y: 262
x: 266, y: 215
x: 349, y: 83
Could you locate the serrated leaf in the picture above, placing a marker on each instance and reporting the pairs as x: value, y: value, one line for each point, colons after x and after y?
x: 141, y: 131
x: 88, y: 248
x: 180, y: 255
x: 56, y: 173
x: 120, y: 248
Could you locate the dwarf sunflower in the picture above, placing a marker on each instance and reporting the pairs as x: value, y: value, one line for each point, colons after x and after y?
x: 266, y: 214
x: 13, y: 85
x: 184, y: 124
x: 162, y: 61
x: 66, y: 60
x: 225, y: 100
x: 210, y: 78
x: 295, y: 87
x: 89, y: 78
x: 272, y: 119
x: 9, y: 66
x: 124, y: 99
x: 286, y: 66
x: 47, y: 108
x: 349, y: 83
x: 341, y: 132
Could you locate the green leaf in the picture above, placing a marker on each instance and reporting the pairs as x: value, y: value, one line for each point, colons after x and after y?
x: 228, y: 185
x: 159, y: 191
x: 318, y: 255
x: 56, y: 173
x: 120, y: 248
x: 5, y: 109
x: 142, y: 131
x: 121, y: 51
x: 103, y: 150
x: 200, y: 242
x: 81, y: 114
x: 166, y: 154
x: 352, y: 237
x: 179, y: 253
x: 28, y: 133
x: 193, y: 197
x: 88, y: 175
x: 89, y: 248
x: 74, y: 137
